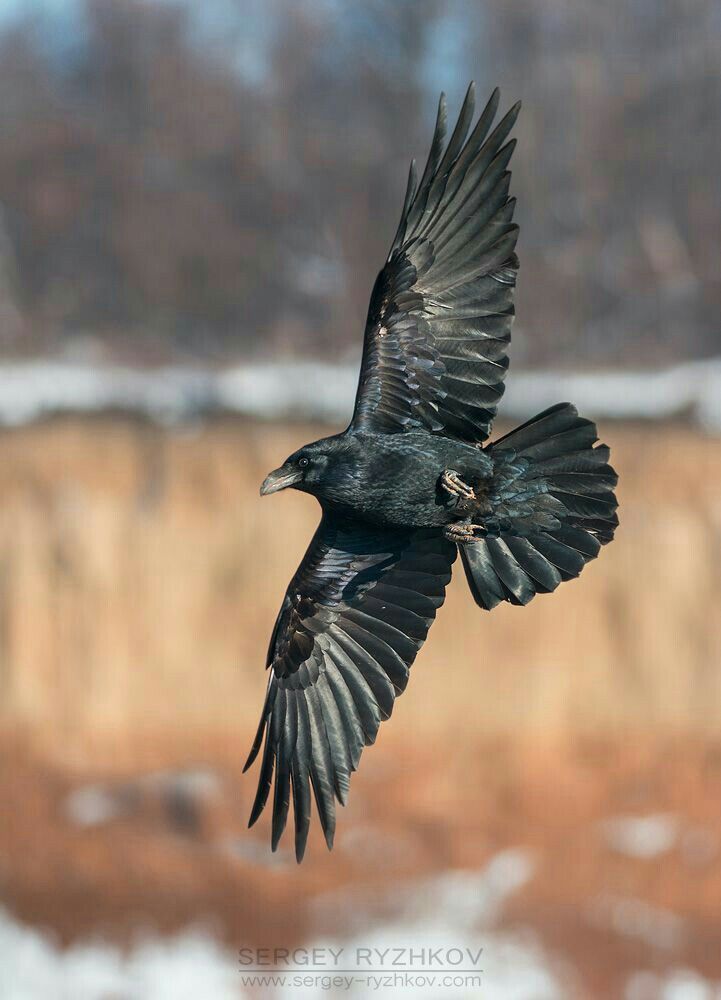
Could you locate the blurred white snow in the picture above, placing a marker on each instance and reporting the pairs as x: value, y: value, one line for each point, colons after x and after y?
x: 315, y: 390
x: 454, y: 909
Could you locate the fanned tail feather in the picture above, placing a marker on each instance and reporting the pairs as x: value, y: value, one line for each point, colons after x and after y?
x: 553, y: 507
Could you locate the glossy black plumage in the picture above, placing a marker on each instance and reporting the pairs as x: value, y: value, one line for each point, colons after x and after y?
x: 408, y: 483
x: 353, y: 619
x: 439, y: 320
x: 553, y: 507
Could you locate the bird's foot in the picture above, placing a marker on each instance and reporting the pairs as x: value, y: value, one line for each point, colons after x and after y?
x: 456, y: 487
x: 462, y: 532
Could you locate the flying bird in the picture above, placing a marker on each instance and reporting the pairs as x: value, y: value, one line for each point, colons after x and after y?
x: 410, y: 483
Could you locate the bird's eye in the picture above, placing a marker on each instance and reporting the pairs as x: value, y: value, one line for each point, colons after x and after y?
x: 303, y: 462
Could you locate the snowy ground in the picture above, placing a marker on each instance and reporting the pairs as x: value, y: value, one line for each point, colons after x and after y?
x: 317, y: 391
x: 457, y: 911
x: 453, y: 911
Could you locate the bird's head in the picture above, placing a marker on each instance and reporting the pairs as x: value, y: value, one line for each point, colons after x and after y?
x: 308, y: 469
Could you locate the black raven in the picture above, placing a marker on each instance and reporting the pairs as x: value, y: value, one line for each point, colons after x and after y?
x: 408, y: 483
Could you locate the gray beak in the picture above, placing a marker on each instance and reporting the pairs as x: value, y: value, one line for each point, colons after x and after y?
x: 279, y: 479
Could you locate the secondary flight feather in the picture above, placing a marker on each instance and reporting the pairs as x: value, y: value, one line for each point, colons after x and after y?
x: 409, y: 483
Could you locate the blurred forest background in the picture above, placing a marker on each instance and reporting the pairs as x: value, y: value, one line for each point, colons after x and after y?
x: 221, y: 179
x: 200, y: 194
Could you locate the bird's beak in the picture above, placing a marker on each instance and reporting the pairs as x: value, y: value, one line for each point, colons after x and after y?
x: 279, y: 479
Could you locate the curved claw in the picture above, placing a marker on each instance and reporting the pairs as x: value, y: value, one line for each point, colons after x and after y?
x: 462, y: 532
x: 453, y: 484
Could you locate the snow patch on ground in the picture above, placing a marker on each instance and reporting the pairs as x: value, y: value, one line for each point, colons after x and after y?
x: 634, y: 918
x: 642, y: 837
x: 184, y: 967
x: 651, y: 836
x: 455, y: 909
x: 679, y: 984
x: 96, y: 804
x: 318, y: 391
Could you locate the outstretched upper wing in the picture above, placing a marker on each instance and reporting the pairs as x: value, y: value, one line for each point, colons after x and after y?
x: 353, y: 618
x: 440, y: 315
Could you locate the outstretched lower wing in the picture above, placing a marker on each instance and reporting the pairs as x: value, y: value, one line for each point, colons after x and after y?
x: 354, y: 616
x: 440, y: 315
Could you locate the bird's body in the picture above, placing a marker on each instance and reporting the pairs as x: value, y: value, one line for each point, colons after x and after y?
x: 392, y: 479
x: 413, y: 481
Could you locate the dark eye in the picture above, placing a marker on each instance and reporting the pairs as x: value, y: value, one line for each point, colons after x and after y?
x: 303, y: 462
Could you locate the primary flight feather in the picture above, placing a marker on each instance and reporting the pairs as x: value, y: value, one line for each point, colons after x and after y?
x: 408, y: 484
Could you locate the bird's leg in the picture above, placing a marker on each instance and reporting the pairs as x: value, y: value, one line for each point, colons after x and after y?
x: 467, y: 500
x: 462, y: 532
x: 456, y: 487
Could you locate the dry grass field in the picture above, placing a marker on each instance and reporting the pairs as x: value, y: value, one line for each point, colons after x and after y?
x: 140, y: 574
